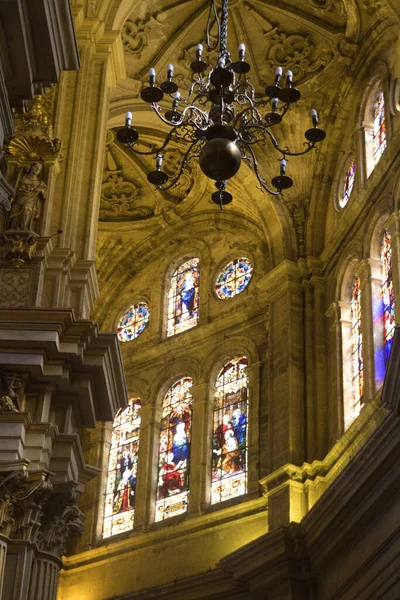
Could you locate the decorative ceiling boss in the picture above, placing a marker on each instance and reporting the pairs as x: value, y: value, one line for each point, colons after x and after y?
x: 222, y: 117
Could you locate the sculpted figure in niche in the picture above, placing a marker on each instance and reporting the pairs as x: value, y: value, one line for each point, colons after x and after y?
x: 9, y: 401
x: 29, y: 191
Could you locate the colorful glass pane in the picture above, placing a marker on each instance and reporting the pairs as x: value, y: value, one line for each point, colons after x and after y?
x: 356, y: 343
x: 387, y: 294
x: 233, y: 278
x: 133, y: 321
x: 379, y: 133
x: 229, y: 444
x: 174, y: 451
x: 122, y: 469
x: 183, y: 298
x: 348, y: 184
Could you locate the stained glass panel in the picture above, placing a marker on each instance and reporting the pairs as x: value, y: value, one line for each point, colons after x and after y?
x: 379, y: 133
x: 119, y: 507
x: 229, y: 444
x: 387, y: 294
x: 133, y: 321
x: 357, y: 347
x: 348, y: 184
x: 233, y: 278
x: 174, y: 451
x: 183, y: 298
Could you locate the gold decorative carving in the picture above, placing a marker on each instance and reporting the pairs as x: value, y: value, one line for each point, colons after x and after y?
x: 18, y: 246
x: 36, y: 120
x: 297, y: 52
x: 28, y: 148
x: 15, y: 288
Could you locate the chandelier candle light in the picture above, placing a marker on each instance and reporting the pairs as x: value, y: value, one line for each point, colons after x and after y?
x: 223, y: 134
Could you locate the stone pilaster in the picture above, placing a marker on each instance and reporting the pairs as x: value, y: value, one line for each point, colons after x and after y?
x: 286, y: 391
x: 200, y: 454
x: 148, y: 449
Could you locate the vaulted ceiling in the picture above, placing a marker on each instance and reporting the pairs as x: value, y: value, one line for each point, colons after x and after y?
x: 326, y: 43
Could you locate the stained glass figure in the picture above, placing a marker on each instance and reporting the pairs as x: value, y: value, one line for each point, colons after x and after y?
x: 183, y: 298
x: 357, y: 346
x: 388, y: 312
x: 379, y: 133
x: 133, y: 321
x: 233, y: 278
x: 229, y: 444
x: 174, y: 451
x: 348, y: 184
x: 119, y: 507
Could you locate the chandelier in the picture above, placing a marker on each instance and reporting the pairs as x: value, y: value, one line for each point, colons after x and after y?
x: 222, y: 117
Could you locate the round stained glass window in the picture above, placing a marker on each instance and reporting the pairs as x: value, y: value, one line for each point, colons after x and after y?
x: 233, y: 278
x: 133, y: 321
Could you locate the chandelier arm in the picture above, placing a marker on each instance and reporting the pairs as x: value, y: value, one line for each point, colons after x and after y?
x: 287, y: 152
x: 256, y: 171
x: 155, y: 150
x: 192, y: 108
x: 185, y: 160
x: 264, y: 131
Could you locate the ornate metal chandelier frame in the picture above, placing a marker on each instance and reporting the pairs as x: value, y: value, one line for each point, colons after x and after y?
x: 224, y: 135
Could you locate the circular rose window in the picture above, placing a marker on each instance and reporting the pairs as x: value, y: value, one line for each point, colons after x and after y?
x: 233, y: 278
x: 133, y: 321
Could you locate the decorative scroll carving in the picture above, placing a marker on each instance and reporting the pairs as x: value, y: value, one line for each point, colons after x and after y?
x: 322, y: 5
x: 172, y: 162
x: 135, y: 36
x: 119, y: 200
x: 297, y: 52
x: 15, y: 288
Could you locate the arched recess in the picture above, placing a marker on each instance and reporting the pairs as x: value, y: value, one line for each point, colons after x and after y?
x: 382, y: 291
x: 221, y: 355
x: 192, y: 249
x: 358, y: 77
x: 346, y: 353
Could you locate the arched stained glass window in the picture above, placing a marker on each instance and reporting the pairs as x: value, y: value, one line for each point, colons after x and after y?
x: 379, y: 125
x: 233, y: 278
x: 183, y: 297
x: 133, y: 321
x: 357, y: 346
x: 348, y: 184
x: 388, y: 312
x: 119, y: 507
x: 174, y: 451
x: 229, y: 444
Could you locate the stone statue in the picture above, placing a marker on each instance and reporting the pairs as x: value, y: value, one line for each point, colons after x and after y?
x: 25, y: 204
x: 9, y: 401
